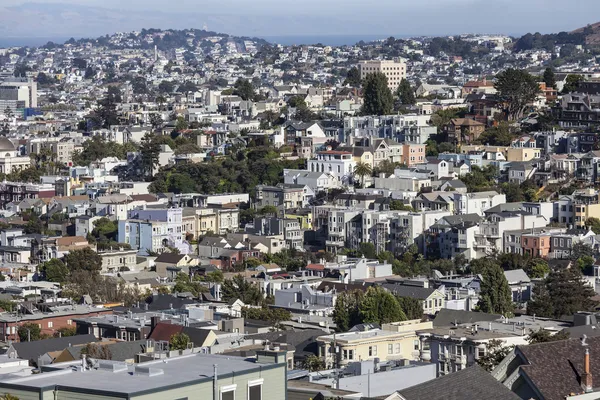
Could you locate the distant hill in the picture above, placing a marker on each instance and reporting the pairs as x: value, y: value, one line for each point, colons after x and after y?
x: 591, y: 33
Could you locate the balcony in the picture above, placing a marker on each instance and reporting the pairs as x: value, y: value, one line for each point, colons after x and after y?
x: 334, y: 243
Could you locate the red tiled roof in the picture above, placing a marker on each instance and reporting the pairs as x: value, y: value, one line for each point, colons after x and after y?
x: 315, y: 267
x: 163, y: 331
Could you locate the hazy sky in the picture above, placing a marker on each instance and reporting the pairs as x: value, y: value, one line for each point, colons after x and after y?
x: 306, y: 17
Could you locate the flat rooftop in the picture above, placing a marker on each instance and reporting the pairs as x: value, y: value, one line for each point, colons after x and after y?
x: 374, y: 333
x: 152, y: 376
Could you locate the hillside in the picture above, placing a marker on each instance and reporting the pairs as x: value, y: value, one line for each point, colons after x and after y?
x: 591, y: 33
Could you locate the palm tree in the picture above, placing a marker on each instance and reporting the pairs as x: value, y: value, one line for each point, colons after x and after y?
x: 363, y: 169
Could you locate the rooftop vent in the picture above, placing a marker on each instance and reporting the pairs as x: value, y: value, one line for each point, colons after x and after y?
x: 147, y: 371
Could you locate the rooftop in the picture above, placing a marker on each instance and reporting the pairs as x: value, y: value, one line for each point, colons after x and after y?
x: 148, y: 377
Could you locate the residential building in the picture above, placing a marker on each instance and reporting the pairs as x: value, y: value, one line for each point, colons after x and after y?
x: 338, y: 163
x: 394, y: 71
x: 188, y: 376
x: 368, y: 345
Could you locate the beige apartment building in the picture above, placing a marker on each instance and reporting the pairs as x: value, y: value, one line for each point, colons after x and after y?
x: 394, y: 70
x: 399, y: 342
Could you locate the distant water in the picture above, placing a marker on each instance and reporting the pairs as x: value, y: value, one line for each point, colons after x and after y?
x: 29, y: 41
x: 328, y: 40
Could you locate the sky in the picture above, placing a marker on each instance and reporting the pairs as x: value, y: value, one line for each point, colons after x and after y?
x: 277, y: 18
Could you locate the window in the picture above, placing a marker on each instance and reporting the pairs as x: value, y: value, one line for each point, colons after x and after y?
x: 397, y: 348
x: 255, y: 389
x: 372, y: 351
x: 416, y: 344
x: 390, y: 348
x: 50, y: 324
x: 228, y: 392
x: 480, y: 352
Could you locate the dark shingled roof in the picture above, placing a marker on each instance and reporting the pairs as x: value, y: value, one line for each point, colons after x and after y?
x: 120, y: 351
x: 555, y: 368
x: 33, y: 350
x: 415, y: 292
x: 472, y: 383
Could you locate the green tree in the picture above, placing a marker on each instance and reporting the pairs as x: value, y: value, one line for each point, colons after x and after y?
x: 537, y: 268
x: 398, y: 205
x: 500, y: 135
x: 346, y: 311
x: 361, y: 170
x: 150, y: 149
x: 29, y: 332
x: 563, y: 293
x: 380, y: 306
x: 377, y: 97
x: 580, y: 250
x: 313, y: 363
x: 55, y: 270
x: 544, y: 336
x: 405, y: 93
x: 352, y: 77
x: 239, y: 288
x: 593, y: 224
x: 85, y: 260
x: 179, y: 341
x: 517, y: 88
x: 549, y: 78
x: 572, y: 83
x: 413, y: 308
x: 496, y: 351
x: 166, y: 87
x: 480, y: 179
x: 183, y: 283
x: 65, y: 331
x: 244, y: 89
x: 105, y: 229
x: 495, y: 296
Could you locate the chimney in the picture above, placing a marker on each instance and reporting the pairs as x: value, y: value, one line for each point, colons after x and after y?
x: 586, y: 377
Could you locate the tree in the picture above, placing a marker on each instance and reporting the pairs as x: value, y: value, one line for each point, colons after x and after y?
x: 593, y: 224
x: 398, y: 205
x: 244, y: 89
x: 29, y: 332
x: 549, y: 78
x: 495, y: 352
x: 65, y: 331
x: 166, y: 87
x: 544, y: 336
x: 239, y: 288
x: 272, y: 315
x: 580, y: 250
x: 362, y: 169
x: 346, y: 311
x: 499, y: 135
x: 156, y: 121
x: 313, y: 363
x: 413, y: 308
x: 495, y: 296
x: 150, y: 149
x: 517, y: 88
x: 572, y: 83
x: 55, y: 270
x: 380, y: 306
x: 352, y: 77
x: 85, y: 259
x: 563, y: 293
x: 179, y: 341
x: 96, y: 351
x: 378, y: 99
x: 405, y: 93
x: 537, y: 268
x: 183, y: 283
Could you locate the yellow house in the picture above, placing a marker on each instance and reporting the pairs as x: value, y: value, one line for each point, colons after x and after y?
x: 368, y: 345
x: 304, y: 217
x: 206, y: 220
x: 522, y: 154
x: 585, y: 211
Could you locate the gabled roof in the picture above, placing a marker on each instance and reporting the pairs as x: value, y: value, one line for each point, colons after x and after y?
x: 472, y: 383
x: 33, y: 350
x: 169, y: 258
x: 414, y: 292
x: 555, y: 368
